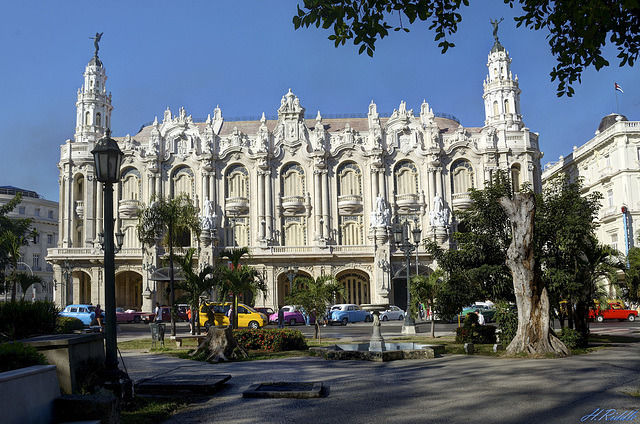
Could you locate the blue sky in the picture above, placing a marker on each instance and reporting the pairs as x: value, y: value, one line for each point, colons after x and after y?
x: 245, y: 55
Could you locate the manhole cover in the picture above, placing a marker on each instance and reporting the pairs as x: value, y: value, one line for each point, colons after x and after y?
x: 295, y: 390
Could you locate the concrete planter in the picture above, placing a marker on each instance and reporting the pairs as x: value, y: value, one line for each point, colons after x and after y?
x: 76, y: 356
x: 27, y: 394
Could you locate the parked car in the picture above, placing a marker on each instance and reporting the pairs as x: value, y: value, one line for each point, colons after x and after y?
x: 129, y: 315
x: 216, y: 314
x: 84, y: 313
x: 392, y: 313
x: 348, y: 312
x: 148, y: 317
x: 613, y: 310
x: 292, y: 315
x: 267, y: 311
x: 487, y: 311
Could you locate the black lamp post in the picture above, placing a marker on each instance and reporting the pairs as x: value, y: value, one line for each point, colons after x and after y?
x: 107, y: 157
x: 401, y: 238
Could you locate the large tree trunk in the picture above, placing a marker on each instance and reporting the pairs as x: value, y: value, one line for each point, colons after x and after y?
x: 533, y: 335
x: 220, y: 344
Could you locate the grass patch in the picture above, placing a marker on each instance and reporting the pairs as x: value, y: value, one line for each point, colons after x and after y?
x: 634, y: 394
x: 144, y: 410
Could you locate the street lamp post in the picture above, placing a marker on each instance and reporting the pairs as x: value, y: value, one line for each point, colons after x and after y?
x: 107, y: 159
x: 401, y: 238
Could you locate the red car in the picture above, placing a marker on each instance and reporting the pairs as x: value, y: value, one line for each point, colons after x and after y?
x: 129, y: 315
x: 614, y: 310
x: 148, y: 317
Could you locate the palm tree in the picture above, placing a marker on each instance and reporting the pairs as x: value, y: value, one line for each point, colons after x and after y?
x: 171, y: 217
x: 236, y: 278
x: 194, y: 285
x: 12, y: 243
x: 27, y: 280
x: 314, y: 296
x: 425, y: 290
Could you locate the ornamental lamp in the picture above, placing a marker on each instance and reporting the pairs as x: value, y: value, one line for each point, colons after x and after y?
x: 107, y: 157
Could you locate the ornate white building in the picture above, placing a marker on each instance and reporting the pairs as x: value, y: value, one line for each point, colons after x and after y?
x: 316, y: 192
x: 44, y: 214
x: 609, y: 163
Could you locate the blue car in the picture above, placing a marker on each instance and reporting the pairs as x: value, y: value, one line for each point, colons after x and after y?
x: 84, y: 313
x: 348, y: 312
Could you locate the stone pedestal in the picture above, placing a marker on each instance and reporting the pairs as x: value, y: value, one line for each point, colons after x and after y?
x: 377, y: 341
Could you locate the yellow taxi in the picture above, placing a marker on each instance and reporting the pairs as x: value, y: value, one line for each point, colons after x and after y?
x: 216, y: 314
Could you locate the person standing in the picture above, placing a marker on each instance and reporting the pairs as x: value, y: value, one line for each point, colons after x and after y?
x: 280, y: 317
x: 98, y: 314
x: 480, y: 317
x: 158, y: 311
x: 230, y: 315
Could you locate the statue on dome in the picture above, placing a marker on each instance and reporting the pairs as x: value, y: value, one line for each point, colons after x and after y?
x: 495, y: 27
x: 96, y: 40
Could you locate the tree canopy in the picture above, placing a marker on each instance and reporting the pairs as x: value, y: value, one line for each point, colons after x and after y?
x: 579, y: 30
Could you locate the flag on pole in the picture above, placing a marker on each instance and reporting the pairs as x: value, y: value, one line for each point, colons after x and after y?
x: 618, y: 88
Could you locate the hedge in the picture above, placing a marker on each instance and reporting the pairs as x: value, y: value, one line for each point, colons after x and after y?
x: 480, y: 334
x: 271, y: 339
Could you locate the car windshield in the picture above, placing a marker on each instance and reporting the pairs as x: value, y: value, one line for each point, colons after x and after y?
x: 336, y: 308
x: 250, y: 309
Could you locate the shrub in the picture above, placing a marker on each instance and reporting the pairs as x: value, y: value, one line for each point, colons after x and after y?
x: 571, y: 338
x: 474, y: 333
x: 66, y: 325
x: 17, y: 355
x: 272, y: 339
x: 22, y: 319
x: 507, y: 319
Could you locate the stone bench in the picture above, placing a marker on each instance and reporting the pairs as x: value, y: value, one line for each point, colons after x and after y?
x: 199, y: 337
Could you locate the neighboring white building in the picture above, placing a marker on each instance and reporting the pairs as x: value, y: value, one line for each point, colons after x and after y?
x: 609, y: 163
x: 45, y: 221
x: 314, y: 191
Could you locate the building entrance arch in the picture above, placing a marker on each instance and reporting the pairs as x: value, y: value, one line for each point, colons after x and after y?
x: 356, y: 285
x: 285, y: 286
x: 129, y: 290
x: 399, y: 284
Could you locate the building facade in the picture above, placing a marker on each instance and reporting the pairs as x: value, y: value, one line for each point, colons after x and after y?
x: 609, y: 163
x: 318, y: 193
x: 44, y: 214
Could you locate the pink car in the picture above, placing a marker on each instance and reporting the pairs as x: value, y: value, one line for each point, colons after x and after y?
x: 292, y: 316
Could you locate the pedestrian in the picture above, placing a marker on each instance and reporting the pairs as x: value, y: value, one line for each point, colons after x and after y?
x: 305, y: 316
x: 480, y: 317
x: 230, y: 315
x: 158, y: 311
x: 98, y: 314
x: 281, y: 317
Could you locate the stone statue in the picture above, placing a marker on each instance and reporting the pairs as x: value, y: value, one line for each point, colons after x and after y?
x: 439, y: 215
x: 207, y: 217
x: 96, y: 40
x: 495, y: 27
x: 380, y: 217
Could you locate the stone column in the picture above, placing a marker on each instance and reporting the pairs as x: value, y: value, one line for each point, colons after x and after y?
x: 261, y: 204
x: 269, y: 204
x: 325, y: 204
x: 317, y: 210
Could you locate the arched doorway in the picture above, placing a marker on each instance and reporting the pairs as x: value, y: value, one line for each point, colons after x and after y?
x: 129, y: 290
x: 285, y: 286
x: 399, y: 284
x: 356, y: 285
x: 82, y: 281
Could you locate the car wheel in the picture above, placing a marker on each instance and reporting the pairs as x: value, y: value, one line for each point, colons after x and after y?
x: 385, y: 318
x: 400, y: 318
x: 368, y: 318
x: 345, y: 321
x: 599, y: 318
x: 254, y: 325
x: 292, y: 321
x: 631, y: 318
x: 136, y: 320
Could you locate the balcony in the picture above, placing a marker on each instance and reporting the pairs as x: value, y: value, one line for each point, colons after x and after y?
x: 609, y: 213
x: 79, y: 209
x: 408, y: 202
x: 461, y: 201
x: 292, y: 204
x: 237, y: 205
x: 129, y: 208
x: 350, y: 203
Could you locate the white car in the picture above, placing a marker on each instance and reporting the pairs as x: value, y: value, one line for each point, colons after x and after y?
x: 392, y: 313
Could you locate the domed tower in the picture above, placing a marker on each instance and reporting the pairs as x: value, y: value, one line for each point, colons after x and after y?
x: 501, y: 92
x: 94, y: 104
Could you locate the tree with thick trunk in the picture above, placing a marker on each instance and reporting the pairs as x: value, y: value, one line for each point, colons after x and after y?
x: 533, y: 336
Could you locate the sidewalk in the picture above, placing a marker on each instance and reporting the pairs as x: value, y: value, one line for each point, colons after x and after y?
x: 448, y: 389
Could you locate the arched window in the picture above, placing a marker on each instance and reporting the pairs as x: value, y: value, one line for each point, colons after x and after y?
x: 183, y: 182
x: 351, y: 230
x: 406, y: 178
x: 293, y: 180
x: 349, y: 179
x: 506, y: 106
x: 516, y: 180
x: 131, y: 184
x: 237, y: 181
x: 294, y: 231
x: 461, y: 176
x: 87, y: 118
x: 496, y: 112
x: 98, y: 120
